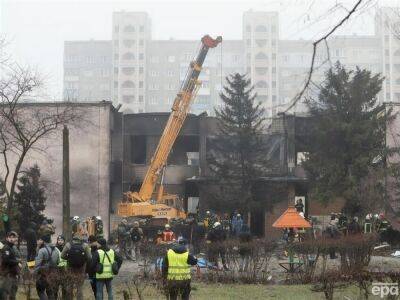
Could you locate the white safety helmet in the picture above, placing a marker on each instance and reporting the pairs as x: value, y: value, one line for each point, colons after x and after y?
x: 76, y: 218
x: 98, y: 217
x: 207, y: 212
x: 167, y: 226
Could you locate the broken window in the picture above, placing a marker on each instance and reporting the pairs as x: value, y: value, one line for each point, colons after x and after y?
x: 138, y: 149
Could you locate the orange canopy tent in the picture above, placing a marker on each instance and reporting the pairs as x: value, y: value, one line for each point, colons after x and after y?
x: 291, y: 219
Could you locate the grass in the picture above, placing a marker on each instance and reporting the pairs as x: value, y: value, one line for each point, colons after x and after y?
x: 201, y: 291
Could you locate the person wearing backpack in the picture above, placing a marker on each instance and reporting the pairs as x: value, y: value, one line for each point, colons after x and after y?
x: 136, y: 236
x: 77, y: 254
x: 46, y: 267
x: 107, y: 263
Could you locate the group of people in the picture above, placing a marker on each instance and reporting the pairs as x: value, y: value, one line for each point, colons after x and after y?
x: 61, y: 267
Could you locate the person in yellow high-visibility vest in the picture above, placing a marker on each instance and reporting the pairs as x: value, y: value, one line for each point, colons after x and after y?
x: 176, y: 270
x: 106, y: 257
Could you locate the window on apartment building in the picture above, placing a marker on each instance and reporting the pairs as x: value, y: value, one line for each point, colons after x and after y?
x: 116, y: 42
x: 141, y: 28
x: 397, y: 53
x: 261, y: 84
x: 248, y: 28
x: 115, y: 84
x: 116, y: 56
x: 170, y: 73
x: 129, y: 28
x: 187, y: 57
x: 387, y: 52
x: 140, y: 84
x: 261, y: 71
x: 141, y: 70
x: 128, y: 70
x: 273, y: 28
x: 273, y: 42
x: 141, y: 42
x: 261, y: 28
x: 154, y: 59
x: 261, y: 55
x: 128, y: 56
x: 141, y: 98
x: 387, y: 96
x: 129, y: 43
x: 116, y: 28
x: 386, y: 38
x: 398, y: 81
x: 273, y: 70
x: 141, y: 56
x: 387, y: 67
x: 154, y: 73
x: 273, y: 98
x: 171, y: 58
x: 128, y: 84
x: 235, y: 58
x: 170, y: 87
x: 153, y: 100
x: 261, y: 42
x: 273, y: 84
x: 138, y: 149
x: 153, y: 87
x: 248, y: 42
x: 273, y: 56
x: 71, y: 72
x: 128, y: 99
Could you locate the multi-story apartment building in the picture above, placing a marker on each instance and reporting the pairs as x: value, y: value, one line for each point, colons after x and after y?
x: 146, y: 73
x: 87, y: 71
x: 388, y: 31
x: 167, y: 70
x: 130, y: 36
x: 260, y: 37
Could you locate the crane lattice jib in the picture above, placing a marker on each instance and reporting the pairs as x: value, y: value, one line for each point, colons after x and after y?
x: 180, y: 109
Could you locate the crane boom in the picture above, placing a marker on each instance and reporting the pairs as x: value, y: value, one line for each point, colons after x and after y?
x: 180, y: 109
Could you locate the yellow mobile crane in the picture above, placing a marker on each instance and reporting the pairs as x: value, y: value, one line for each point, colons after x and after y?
x: 140, y: 204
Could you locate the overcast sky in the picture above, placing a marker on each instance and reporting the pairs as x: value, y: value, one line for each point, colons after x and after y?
x: 36, y: 30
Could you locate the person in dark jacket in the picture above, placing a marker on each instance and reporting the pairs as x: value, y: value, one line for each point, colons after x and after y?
x: 105, y: 256
x: 215, y: 245
x: 10, y: 266
x: 31, y: 241
x: 176, y: 270
x: 94, y: 245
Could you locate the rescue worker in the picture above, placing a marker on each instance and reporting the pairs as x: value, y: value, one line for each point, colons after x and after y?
x: 46, y: 263
x: 368, y: 223
x: 168, y: 235
x: 342, y: 224
x: 99, y: 227
x: 299, y: 206
x: 62, y: 265
x: 124, y: 239
x: 77, y: 253
x: 136, y: 237
x: 215, y: 245
x: 10, y: 266
x: 105, y: 258
x: 159, y: 238
x: 176, y: 271
x: 382, y: 223
x: 94, y: 246
x: 208, y: 221
x: 354, y: 227
x: 237, y: 223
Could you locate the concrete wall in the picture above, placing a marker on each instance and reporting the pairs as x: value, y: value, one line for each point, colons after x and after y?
x: 90, y: 157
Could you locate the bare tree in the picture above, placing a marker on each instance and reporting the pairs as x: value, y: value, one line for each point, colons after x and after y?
x: 23, y: 125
